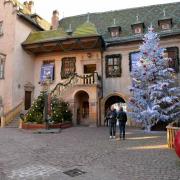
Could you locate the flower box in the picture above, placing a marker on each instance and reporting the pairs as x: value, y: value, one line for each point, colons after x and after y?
x: 32, y: 126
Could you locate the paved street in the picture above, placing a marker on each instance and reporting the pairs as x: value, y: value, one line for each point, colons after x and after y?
x: 28, y: 156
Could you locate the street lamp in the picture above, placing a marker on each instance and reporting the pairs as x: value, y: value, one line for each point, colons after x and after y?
x: 46, y: 89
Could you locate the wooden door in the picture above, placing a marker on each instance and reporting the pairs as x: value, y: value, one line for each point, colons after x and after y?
x: 27, y: 100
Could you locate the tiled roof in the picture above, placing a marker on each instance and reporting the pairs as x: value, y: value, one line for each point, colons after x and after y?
x: 125, y: 18
x: 87, y: 29
x: 44, y: 36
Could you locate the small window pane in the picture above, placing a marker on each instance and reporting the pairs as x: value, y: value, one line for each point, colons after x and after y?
x: 68, y: 67
x: 110, y: 61
x: 116, y: 61
x: 113, y: 66
x: 2, y: 66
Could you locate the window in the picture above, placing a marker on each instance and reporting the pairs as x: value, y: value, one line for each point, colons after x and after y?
x: 133, y: 59
x: 68, y: 67
x: 114, y: 33
x: 47, y: 69
x: 1, y: 28
x: 2, y: 65
x: 165, y: 26
x: 89, y: 68
x: 137, y: 30
x: 173, y: 53
x: 113, y: 65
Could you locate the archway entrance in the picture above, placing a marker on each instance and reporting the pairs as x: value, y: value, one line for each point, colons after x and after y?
x: 115, y: 101
x: 82, y: 108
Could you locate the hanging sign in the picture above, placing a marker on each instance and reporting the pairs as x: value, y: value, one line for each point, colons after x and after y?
x: 47, y: 70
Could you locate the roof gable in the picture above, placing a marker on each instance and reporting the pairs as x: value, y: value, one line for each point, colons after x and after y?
x: 86, y: 29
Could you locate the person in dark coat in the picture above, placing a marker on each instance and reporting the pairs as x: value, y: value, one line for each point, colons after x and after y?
x: 112, y: 122
x: 122, y: 118
x: 106, y: 120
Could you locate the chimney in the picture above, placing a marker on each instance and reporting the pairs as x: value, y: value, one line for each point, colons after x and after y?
x: 55, y: 20
x: 31, y: 6
x: 26, y: 4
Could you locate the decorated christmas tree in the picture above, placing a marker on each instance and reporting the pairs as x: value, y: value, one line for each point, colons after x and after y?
x: 155, y: 96
x: 60, y: 111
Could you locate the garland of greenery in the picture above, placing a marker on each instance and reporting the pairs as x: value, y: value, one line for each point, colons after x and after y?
x: 71, y: 78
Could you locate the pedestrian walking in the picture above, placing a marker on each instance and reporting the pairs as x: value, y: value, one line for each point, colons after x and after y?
x: 112, y: 122
x: 122, y: 119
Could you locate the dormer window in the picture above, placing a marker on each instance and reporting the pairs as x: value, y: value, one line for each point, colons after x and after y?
x: 114, y: 30
x: 115, y: 33
x: 138, y: 30
x: 138, y: 26
x: 165, y: 23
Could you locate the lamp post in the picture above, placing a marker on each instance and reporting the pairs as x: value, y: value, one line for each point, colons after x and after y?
x: 46, y: 89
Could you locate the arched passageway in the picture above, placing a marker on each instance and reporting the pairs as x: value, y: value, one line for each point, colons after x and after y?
x: 82, y: 108
x: 116, y: 101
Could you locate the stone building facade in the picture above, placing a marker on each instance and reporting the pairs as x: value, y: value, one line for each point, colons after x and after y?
x: 90, y: 57
x: 16, y: 66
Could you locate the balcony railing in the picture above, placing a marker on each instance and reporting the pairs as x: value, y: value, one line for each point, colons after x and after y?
x: 86, y: 79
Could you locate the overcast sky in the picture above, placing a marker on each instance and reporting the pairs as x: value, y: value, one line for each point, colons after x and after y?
x: 74, y: 7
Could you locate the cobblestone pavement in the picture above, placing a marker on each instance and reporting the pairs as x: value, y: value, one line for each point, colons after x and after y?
x: 142, y: 156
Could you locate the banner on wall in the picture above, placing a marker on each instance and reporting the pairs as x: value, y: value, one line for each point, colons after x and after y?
x: 47, y: 70
x: 134, y: 59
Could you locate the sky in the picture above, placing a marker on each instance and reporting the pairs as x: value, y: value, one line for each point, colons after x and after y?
x: 75, y: 7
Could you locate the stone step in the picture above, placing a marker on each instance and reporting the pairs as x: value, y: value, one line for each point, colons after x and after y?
x: 15, y: 121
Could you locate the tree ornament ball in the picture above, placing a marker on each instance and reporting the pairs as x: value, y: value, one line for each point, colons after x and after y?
x: 177, y: 143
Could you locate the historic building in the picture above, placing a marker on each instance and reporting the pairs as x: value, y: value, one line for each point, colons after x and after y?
x: 16, y: 66
x: 89, y: 57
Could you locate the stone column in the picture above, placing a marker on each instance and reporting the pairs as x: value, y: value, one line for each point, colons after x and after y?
x: 93, y: 113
